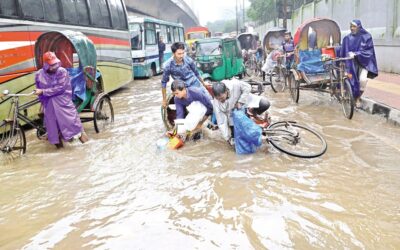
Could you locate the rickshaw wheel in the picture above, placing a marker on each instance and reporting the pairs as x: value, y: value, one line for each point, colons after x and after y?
x: 294, y: 87
x: 347, y: 100
x: 103, y: 114
x: 278, y: 80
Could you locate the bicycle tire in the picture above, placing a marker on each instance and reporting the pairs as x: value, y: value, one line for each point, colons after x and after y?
x: 347, y: 101
x: 103, y: 114
x: 306, y: 149
x: 12, y: 139
x: 277, y: 86
x: 294, y: 88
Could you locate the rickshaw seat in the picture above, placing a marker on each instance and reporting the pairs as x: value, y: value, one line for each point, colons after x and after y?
x: 310, y: 62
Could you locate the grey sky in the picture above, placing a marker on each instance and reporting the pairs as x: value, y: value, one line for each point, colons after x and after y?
x: 212, y: 10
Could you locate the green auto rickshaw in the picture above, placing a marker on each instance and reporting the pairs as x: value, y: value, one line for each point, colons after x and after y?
x: 219, y: 58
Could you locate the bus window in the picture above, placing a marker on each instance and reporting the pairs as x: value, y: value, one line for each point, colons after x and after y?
x: 8, y: 8
x: 75, y: 12
x: 51, y: 10
x: 117, y: 14
x: 136, y: 36
x: 82, y: 12
x: 164, y: 33
x: 150, y: 33
x: 176, y: 34
x: 100, y: 15
x: 170, y: 35
x: 32, y: 9
x: 181, y: 38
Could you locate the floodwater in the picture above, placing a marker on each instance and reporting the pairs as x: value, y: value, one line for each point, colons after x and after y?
x: 119, y: 192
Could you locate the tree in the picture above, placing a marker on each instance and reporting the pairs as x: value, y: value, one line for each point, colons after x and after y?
x: 262, y: 11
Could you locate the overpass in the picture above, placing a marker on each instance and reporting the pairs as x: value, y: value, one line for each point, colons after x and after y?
x: 169, y: 10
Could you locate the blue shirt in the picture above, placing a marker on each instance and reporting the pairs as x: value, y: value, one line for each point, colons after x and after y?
x: 186, y: 72
x: 193, y: 94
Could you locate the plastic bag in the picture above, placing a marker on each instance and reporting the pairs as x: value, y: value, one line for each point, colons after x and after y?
x: 196, y: 112
x: 78, y: 83
x: 247, y: 133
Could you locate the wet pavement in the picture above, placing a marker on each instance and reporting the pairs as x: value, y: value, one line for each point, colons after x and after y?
x: 118, y: 191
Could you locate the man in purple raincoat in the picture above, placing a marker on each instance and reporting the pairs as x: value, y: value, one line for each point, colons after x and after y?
x: 359, y: 45
x: 55, y: 93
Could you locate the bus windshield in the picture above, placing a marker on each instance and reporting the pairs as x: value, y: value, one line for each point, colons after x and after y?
x: 199, y: 35
x: 207, y: 49
x: 136, y: 36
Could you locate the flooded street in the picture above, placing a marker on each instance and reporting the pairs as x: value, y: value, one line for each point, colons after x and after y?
x: 119, y: 192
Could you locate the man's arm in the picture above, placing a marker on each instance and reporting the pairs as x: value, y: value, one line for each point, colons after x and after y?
x: 195, y: 71
x: 180, y: 113
x: 245, y: 89
x: 164, y: 81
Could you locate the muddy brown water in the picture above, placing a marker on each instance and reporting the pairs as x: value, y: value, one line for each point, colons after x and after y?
x: 119, y: 192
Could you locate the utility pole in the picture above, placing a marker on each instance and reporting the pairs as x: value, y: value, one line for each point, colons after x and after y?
x: 285, y: 14
x: 244, y: 25
x: 237, y: 21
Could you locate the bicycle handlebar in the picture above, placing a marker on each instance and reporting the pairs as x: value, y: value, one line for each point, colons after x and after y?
x: 338, y: 59
x: 7, y: 93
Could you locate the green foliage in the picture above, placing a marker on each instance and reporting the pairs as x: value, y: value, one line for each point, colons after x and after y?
x: 262, y: 10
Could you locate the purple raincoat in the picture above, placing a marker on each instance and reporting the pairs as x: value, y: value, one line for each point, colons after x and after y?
x: 363, y: 47
x: 60, y: 114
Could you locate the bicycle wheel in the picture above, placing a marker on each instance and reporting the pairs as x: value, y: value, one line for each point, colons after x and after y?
x: 250, y: 68
x: 294, y: 87
x: 277, y: 79
x: 296, y: 140
x: 12, y: 139
x: 347, y: 99
x: 103, y: 114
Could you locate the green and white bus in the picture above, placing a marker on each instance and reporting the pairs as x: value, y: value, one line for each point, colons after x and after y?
x: 145, y: 33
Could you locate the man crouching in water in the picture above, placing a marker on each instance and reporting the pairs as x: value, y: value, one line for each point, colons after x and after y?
x: 185, y: 96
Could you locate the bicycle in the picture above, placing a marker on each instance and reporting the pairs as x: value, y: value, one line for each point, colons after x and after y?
x: 279, y: 75
x: 12, y: 136
x: 292, y: 138
x: 252, y: 66
x: 340, y: 86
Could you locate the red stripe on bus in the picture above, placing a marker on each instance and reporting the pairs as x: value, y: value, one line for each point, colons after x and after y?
x: 6, y: 78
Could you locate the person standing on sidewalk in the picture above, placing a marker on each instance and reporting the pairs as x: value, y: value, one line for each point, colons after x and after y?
x: 161, y: 49
x: 359, y: 45
x: 181, y: 67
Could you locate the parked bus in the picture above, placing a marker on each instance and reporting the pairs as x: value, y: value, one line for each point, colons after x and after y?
x: 22, y: 22
x: 194, y: 33
x: 145, y: 35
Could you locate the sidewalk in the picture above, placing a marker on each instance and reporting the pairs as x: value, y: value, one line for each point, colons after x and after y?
x: 383, y: 96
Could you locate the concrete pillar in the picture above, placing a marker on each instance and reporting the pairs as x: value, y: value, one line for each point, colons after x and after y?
x: 391, y: 19
x: 357, y: 9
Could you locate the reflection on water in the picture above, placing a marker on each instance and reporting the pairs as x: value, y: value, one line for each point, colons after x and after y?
x: 118, y: 191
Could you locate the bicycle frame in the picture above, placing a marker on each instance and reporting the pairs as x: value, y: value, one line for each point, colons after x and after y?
x: 282, y: 134
x: 17, y: 110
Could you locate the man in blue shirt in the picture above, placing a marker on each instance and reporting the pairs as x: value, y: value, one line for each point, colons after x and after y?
x: 184, y: 96
x: 180, y: 67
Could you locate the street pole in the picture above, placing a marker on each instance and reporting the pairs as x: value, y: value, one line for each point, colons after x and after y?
x: 244, y: 26
x: 237, y: 21
x: 284, y: 14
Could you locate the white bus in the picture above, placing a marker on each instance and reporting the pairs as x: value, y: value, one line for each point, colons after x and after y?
x: 145, y: 33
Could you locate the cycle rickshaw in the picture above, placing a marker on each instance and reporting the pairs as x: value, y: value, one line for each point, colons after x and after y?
x: 249, y: 45
x: 77, y: 54
x: 316, y: 66
x: 274, y: 59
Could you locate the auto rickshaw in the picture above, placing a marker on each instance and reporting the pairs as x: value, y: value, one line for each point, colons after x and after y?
x: 77, y: 54
x: 219, y: 58
x: 316, y: 67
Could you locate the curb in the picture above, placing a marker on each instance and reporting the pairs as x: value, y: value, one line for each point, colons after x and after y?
x: 373, y: 107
